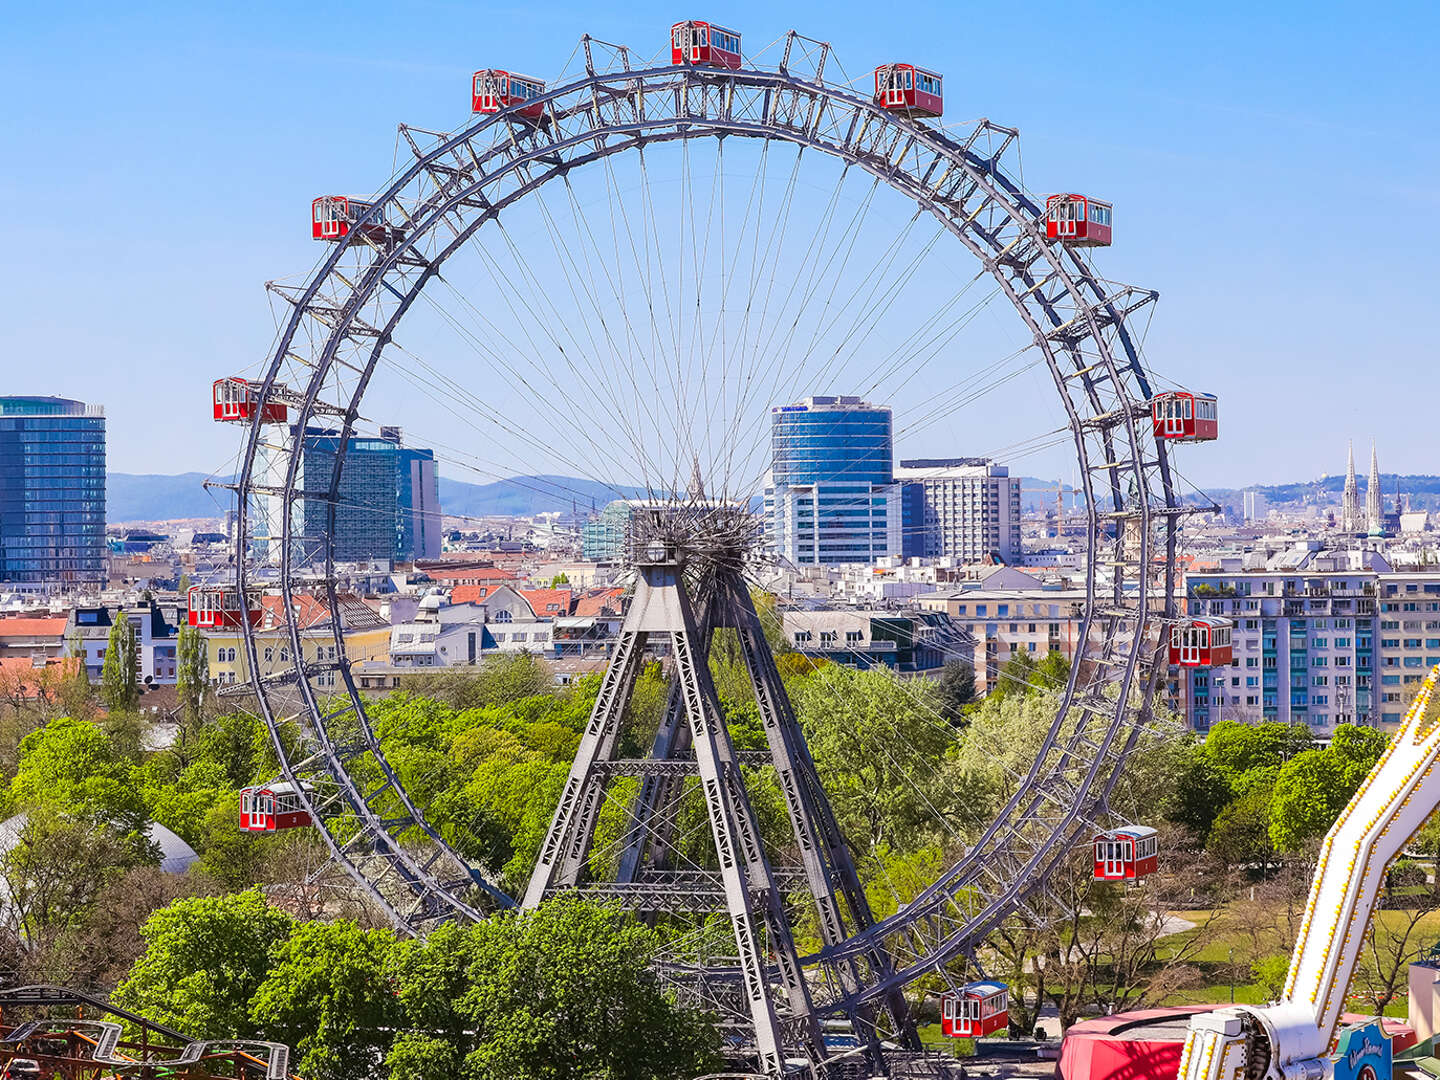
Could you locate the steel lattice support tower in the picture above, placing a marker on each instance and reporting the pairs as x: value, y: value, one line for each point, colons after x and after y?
x: 693, y: 741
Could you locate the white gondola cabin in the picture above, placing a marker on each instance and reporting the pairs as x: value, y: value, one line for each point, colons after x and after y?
x: 975, y: 1010
x: 1185, y: 417
x: 1078, y: 220
x: 1127, y: 853
x: 268, y: 807
x: 239, y: 399
x: 1201, y: 642
x: 905, y: 88
x: 337, y: 217
x: 704, y: 44
x: 215, y: 607
x: 492, y: 90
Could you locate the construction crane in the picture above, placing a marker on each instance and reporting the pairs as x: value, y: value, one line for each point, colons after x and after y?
x: 1294, y: 1038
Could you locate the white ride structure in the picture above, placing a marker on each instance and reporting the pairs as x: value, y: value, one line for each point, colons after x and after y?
x: 1293, y: 1038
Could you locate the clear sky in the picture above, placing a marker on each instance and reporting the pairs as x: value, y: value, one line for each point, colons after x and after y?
x: 1275, y: 170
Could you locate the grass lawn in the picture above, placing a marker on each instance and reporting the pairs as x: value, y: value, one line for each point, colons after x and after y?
x: 1227, y: 947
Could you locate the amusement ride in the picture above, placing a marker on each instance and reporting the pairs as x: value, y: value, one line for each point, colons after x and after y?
x: 662, y: 328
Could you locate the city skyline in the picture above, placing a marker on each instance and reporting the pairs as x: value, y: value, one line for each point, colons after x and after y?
x: 1273, y: 100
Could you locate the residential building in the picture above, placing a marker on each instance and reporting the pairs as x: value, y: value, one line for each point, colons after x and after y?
x: 157, y: 630
x: 31, y: 636
x: 908, y: 642
x: 52, y: 492
x: 830, y: 495
x: 365, y: 633
x: 961, y: 508
x: 1409, y: 638
x: 454, y: 635
x: 1000, y: 619
x: 1304, y: 641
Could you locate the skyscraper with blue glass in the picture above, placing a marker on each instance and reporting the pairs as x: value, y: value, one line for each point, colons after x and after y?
x: 830, y: 495
x: 52, y: 492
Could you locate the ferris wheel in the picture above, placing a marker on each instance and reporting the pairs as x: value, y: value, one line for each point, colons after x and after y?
x: 616, y: 275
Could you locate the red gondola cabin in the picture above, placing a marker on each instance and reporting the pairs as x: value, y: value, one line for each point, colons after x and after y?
x: 1201, y: 642
x: 239, y: 399
x: 267, y: 807
x: 695, y: 42
x: 337, y: 217
x: 1078, y: 221
x: 905, y: 88
x: 1185, y: 417
x: 975, y: 1010
x: 491, y: 91
x: 212, y: 607
x: 1126, y: 854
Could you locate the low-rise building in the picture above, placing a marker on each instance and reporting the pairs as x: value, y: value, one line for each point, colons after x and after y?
x: 365, y: 633
x: 908, y: 642
x: 27, y: 636
x: 157, y: 628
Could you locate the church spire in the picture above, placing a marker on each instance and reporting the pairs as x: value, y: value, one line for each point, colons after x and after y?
x: 1374, y: 503
x: 1350, y: 504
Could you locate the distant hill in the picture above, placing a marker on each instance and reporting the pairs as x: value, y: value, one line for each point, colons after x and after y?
x: 524, y: 496
x: 152, y: 497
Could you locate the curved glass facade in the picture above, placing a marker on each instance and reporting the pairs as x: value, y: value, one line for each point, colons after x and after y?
x: 830, y: 495
x: 52, y: 491
x: 831, y: 439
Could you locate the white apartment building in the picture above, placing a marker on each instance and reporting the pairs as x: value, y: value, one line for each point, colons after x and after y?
x: 962, y: 508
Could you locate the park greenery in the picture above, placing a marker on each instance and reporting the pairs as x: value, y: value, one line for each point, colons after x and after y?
x: 247, y: 944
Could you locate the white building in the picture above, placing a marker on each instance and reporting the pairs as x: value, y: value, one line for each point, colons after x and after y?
x: 458, y: 635
x: 965, y: 508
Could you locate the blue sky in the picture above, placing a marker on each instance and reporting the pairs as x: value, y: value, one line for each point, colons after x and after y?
x: 1275, y: 170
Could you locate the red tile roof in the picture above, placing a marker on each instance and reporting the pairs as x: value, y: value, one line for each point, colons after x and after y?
x: 32, y: 626
x: 599, y: 602
x: 472, y: 594
x: 19, y: 677
x: 545, y: 602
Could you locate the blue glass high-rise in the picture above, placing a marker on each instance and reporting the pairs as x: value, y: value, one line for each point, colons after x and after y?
x: 830, y: 496
x: 52, y: 492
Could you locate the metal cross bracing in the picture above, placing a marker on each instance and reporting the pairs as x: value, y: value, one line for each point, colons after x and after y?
x: 343, y: 321
x: 746, y: 887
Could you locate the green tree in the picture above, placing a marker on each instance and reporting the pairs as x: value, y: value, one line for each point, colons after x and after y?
x: 955, y: 688
x: 1240, y: 835
x: 1016, y: 676
x: 560, y: 993
x: 192, y: 674
x: 119, y: 681
x: 1314, y: 786
x: 72, y: 768
x: 204, y: 959
x: 76, y: 695
x: 880, y: 745
x: 327, y: 996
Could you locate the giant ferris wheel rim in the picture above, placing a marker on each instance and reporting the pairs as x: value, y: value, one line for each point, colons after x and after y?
x: 1103, y: 416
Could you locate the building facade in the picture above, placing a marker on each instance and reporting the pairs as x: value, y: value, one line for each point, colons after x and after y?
x: 1305, y: 642
x: 908, y: 642
x: 830, y: 495
x: 962, y: 508
x: 1000, y: 621
x: 52, y: 492
x: 603, y: 539
x: 389, y: 499
x: 417, y: 501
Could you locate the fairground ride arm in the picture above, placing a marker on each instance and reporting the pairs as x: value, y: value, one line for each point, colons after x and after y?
x: 1290, y: 1040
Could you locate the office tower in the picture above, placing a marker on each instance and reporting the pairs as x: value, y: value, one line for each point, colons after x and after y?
x: 962, y: 508
x: 52, y: 492
x: 830, y: 495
